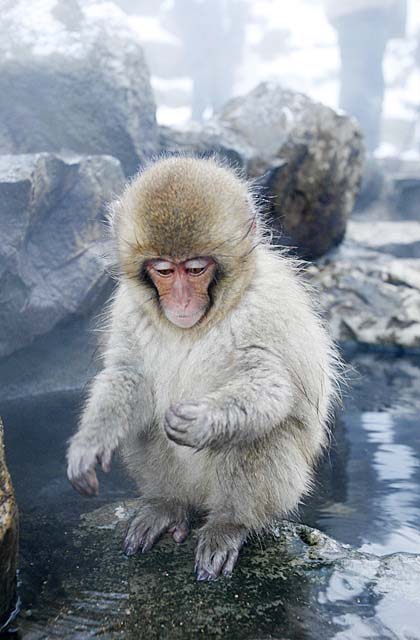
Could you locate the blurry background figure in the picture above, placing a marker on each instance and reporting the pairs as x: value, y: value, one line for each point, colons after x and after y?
x: 363, y: 29
x: 212, y: 33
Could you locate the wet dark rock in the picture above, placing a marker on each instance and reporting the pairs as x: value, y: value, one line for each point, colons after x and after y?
x: 296, y: 582
x: 370, y: 293
x: 73, y: 77
x: 8, y: 539
x: 52, y: 241
x: 311, y: 158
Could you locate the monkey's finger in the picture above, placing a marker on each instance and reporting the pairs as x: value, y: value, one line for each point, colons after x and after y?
x: 87, y: 483
x: 175, y: 431
x: 186, y: 410
x: 179, y: 438
x: 105, y: 461
x: 175, y: 422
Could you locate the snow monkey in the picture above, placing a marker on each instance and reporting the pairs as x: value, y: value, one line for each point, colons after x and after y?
x: 218, y: 377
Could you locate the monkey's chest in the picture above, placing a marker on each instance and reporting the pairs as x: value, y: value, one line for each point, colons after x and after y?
x: 178, y: 373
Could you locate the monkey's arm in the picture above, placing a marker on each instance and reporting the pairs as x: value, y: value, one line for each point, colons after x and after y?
x: 256, y: 399
x: 118, y: 402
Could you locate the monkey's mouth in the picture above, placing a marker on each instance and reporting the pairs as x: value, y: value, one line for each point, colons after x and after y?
x: 184, y: 320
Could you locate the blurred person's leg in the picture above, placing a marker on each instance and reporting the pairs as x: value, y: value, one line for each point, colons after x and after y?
x: 203, y: 48
x: 362, y: 39
x: 222, y: 81
x: 201, y: 91
x: 228, y: 57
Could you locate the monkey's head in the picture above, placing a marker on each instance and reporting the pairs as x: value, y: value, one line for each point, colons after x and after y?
x: 185, y: 231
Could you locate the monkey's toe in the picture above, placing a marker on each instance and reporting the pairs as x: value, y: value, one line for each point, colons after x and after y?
x: 220, y: 563
x: 180, y: 532
x: 150, y: 523
x: 141, y: 536
x: 217, y: 555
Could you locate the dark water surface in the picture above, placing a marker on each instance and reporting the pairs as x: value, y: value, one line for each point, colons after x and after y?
x: 367, y: 495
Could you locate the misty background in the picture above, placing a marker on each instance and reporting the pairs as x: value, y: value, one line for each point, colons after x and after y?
x: 294, y: 43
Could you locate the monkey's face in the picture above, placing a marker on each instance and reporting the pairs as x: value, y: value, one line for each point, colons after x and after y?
x: 182, y: 288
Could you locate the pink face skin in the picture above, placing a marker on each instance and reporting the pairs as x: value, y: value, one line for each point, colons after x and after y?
x: 183, y: 288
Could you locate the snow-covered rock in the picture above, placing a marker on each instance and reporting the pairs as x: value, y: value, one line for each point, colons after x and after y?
x: 73, y: 77
x: 51, y: 241
x: 369, y: 290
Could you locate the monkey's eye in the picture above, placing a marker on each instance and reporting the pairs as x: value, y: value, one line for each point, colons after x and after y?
x: 163, y: 268
x: 164, y: 272
x: 195, y: 271
x: 197, y: 266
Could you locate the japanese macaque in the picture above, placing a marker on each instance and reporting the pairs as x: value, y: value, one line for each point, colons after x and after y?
x: 218, y: 377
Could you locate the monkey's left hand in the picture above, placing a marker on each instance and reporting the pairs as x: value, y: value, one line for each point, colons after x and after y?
x: 190, y: 424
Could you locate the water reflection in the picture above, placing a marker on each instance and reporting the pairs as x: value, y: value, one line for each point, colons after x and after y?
x: 396, y: 465
x: 371, y: 600
x: 369, y: 488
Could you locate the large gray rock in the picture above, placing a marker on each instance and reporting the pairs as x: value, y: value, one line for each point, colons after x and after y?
x: 52, y: 241
x: 370, y: 287
x: 73, y: 77
x: 8, y: 539
x: 312, y: 157
x: 294, y: 583
x: 306, y: 157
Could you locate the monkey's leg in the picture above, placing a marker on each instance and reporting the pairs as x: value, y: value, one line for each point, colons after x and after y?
x: 152, y: 520
x: 218, y: 548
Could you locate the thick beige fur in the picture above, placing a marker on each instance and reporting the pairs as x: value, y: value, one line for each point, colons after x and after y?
x: 260, y: 366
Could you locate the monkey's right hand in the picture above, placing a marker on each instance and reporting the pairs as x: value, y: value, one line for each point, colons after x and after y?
x: 82, y: 458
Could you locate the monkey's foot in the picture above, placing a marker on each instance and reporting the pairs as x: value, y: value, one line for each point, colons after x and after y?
x: 217, y: 551
x: 150, y: 523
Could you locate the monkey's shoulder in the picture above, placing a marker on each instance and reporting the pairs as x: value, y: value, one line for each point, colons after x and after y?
x: 279, y: 294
